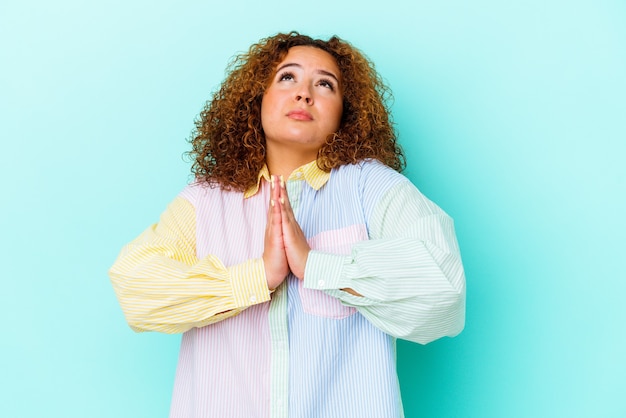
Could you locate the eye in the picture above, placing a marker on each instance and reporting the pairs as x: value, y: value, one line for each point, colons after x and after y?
x: 326, y: 83
x: 286, y: 76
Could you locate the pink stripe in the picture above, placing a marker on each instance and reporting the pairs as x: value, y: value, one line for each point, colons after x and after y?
x: 224, y: 368
x: 338, y: 241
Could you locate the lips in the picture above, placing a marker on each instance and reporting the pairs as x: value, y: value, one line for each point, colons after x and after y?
x: 300, y: 114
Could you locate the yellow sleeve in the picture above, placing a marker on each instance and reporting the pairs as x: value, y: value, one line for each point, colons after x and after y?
x: 162, y: 285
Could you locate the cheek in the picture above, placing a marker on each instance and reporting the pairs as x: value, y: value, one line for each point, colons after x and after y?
x: 265, y: 109
x: 270, y: 103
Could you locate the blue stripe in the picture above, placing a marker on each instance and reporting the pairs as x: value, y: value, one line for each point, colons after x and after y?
x: 340, y: 367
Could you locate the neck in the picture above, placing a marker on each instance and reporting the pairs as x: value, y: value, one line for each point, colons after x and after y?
x: 284, y: 161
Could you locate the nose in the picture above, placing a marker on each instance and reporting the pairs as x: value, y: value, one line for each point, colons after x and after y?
x: 304, y: 94
x: 306, y: 99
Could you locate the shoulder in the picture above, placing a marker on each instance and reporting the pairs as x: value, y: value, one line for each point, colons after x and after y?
x: 369, y: 175
x: 199, y: 191
x: 369, y: 180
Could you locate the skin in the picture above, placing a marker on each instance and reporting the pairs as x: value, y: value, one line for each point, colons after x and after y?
x: 302, y: 106
x: 286, y: 248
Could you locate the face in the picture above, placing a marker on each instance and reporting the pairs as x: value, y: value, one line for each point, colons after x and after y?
x: 303, y: 103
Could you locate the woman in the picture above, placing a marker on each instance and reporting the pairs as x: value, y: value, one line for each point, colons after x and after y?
x: 299, y: 253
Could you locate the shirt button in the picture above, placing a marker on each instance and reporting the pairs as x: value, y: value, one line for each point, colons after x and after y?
x: 252, y: 298
x: 321, y: 283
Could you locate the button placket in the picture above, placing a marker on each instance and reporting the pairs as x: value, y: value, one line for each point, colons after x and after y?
x: 294, y: 190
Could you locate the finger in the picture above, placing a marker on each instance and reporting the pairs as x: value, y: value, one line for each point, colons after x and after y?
x: 286, y: 209
x: 274, y: 218
x: 274, y: 257
x: 275, y: 207
x: 269, y: 210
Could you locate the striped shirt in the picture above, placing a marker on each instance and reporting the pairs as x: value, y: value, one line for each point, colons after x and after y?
x: 307, y: 349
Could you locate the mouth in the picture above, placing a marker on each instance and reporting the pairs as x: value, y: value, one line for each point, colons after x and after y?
x: 299, y: 115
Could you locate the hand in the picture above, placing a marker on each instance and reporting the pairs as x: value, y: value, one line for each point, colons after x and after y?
x: 295, y: 244
x: 274, y: 256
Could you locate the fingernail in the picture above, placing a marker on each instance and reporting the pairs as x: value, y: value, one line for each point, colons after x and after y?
x: 272, y: 202
x: 272, y: 181
x: 282, y: 181
x: 282, y: 200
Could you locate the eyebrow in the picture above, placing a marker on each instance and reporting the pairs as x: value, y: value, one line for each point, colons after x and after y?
x: 293, y: 64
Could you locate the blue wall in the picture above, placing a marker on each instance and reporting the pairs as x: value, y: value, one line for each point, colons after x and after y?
x: 513, y: 115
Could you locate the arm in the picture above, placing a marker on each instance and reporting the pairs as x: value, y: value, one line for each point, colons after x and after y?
x: 409, y: 275
x: 162, y: 286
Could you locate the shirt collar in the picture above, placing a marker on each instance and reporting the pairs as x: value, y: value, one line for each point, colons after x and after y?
x: 310, y: 172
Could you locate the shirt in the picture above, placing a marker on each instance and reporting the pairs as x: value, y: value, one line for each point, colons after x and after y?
x: 308, y: 349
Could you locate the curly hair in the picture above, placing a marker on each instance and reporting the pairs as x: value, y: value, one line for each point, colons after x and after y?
x: 228, y: 144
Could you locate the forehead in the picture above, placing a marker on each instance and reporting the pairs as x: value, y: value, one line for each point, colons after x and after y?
x: 310, y: 56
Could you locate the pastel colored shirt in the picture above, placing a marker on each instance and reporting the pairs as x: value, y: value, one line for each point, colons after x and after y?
x: 307, y: 349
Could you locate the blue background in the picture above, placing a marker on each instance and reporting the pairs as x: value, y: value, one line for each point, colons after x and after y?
x: 513, y: 116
